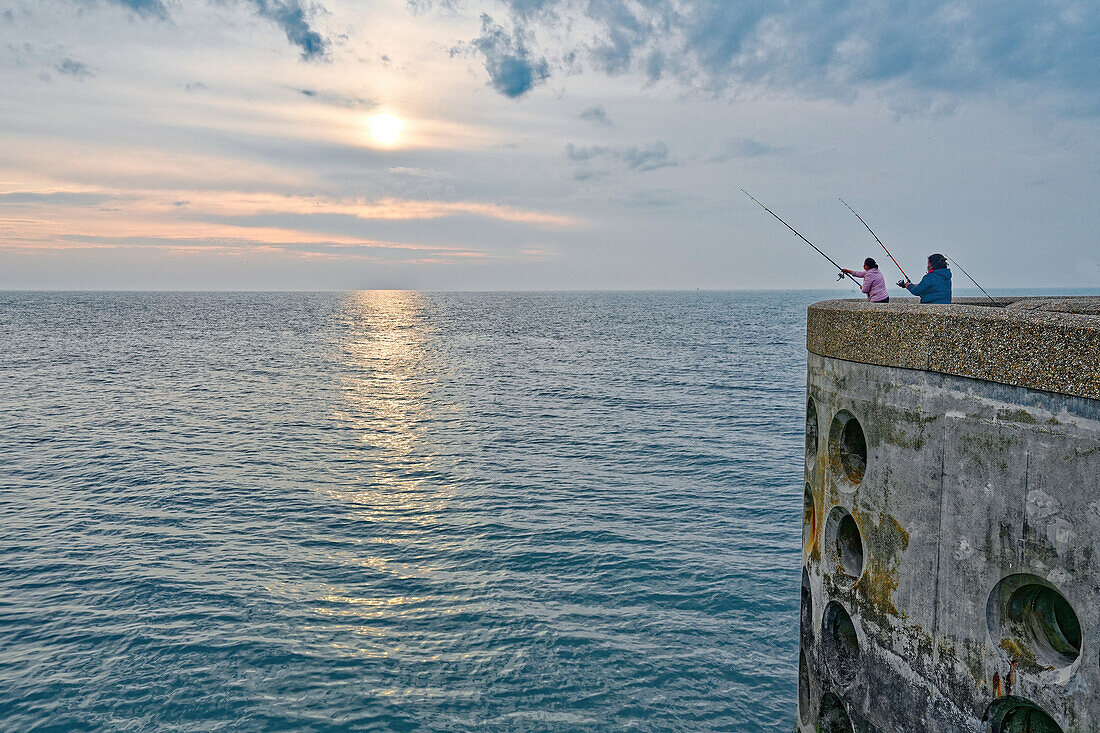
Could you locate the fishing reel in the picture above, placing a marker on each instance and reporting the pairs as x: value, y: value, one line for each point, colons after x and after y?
x: 840, y: 276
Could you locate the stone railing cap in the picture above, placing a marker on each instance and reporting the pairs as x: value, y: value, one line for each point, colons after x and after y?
x: 1050, y: 343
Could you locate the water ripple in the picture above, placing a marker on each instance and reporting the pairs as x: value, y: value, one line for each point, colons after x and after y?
x: 399, y: 511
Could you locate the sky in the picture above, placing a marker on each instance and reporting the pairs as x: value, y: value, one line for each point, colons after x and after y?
x: 543, y: 144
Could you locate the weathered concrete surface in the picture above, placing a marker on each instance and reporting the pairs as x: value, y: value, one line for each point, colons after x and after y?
x: 978, y: 504
x: 1051, y: 344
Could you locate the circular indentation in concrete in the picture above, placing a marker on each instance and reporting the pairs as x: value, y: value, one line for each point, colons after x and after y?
x: 847, y: 449
x: 844, y: 546
x: 809, y: 518
x: 1033, y: 623
x: 804, y: 712
x: 841, y: 645
x: 1017, y: 715
x: 833, y: 718
x: 806, y: 614
x: 811, y: 431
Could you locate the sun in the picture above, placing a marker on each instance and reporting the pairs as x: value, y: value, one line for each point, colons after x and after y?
x: 385, y: 129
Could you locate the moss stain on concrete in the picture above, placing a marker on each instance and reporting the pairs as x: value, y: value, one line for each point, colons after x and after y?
x: 886, y: 540
x: 1023, y: 416
x: 1020, y: 654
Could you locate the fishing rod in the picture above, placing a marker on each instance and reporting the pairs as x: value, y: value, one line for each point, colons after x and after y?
x: 876, y: 239
x: 956, y: 264
x: 830, y: 259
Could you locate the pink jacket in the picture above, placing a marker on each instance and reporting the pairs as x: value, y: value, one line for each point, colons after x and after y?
x: 874, y: 284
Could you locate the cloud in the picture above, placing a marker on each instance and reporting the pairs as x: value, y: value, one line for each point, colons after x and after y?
x: 596, y: 115
x: 244, y: 206
x: 154, y: 8
x: 418, y: 7
x: 633, y: 157
x: 743, y: 147
x: 291, y: 17
x: 832, y: 48
x: 512, y: 71
x: 75, y: 69
x: 242, y: 223
x: 237, y: 245
x: 749, y: 148
x: 60, y: 198
x: 338, y: 100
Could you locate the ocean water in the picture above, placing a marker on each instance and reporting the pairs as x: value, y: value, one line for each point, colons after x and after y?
x: 400, y: 511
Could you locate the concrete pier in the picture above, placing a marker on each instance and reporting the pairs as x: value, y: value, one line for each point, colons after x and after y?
x: 951, y: 522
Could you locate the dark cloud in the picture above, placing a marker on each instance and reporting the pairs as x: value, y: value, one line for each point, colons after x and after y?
x: 835, y: 47
x: 512, y: 71
x: 75, y: 69
x: 144, y: 7
x: 750, y: 148
x: 632, y: 157
x: 194, y: 86
x: 547, y: 9
x: 596, y: 114
x: 626, y: 31
x: 291, y: 17
x: 288, y: 15
x: 338, y: 100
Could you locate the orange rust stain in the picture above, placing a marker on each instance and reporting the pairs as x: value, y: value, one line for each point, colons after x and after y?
x: 812, y: 548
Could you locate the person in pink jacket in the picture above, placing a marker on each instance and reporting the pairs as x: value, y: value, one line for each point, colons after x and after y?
x: 874, y: 284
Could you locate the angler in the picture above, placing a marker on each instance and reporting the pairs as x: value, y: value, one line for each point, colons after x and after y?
x: 935, y: 286
x: 874, y: 284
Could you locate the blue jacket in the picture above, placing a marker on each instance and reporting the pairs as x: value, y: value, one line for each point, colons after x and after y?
x: 935, y: 287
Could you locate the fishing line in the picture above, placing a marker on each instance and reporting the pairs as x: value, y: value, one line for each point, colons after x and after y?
x: 956, y: 264
x: 876, y: 239
x: 830, y: 259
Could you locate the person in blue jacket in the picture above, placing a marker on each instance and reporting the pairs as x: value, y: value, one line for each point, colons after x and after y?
x: 935, y: 287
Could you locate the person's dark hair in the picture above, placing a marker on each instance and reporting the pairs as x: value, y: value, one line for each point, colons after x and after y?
x: 937, y: 261
x: 870, y: 264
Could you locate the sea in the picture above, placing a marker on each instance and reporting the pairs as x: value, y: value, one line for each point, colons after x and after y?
x: 400, y: 511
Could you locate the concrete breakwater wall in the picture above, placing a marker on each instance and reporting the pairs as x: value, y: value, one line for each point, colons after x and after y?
x: 951, y: 522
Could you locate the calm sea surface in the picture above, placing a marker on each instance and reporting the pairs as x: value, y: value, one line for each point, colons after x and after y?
x: 400, y: 511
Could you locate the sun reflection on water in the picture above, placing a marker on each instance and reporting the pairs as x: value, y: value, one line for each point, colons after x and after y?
x: 387, y: 397
x: 387, y: 405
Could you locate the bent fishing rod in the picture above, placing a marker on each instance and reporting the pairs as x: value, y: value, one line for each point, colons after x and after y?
x: 830, y: 259
x: 872, y: 231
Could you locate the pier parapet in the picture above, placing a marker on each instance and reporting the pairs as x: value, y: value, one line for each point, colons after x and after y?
x: 951, y: 519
